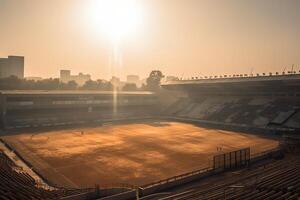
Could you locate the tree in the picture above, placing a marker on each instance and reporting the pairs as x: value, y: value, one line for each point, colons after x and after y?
x: 153, y: 81
x: 48, y: 84
x: 90, y: 85
x: 72, y: 85
x: 129, y: 87
x: 10, y: 83
x: 97, y: 85
x: 105, y: 85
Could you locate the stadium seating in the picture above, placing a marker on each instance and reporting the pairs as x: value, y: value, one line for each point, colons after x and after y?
x: 50, y: 117
x: 16, y: 184
x: 51, y: 108
x: 251, y: 111
x: 275, y: 180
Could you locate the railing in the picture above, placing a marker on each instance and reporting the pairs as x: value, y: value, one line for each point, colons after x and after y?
x: 118, y: 185
x: 266, y: 152
x: 236, y: 76
x: 203, y: 170
x: 178, y: 177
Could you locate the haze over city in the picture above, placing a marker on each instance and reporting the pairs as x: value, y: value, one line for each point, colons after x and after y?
x: 178, y: 37
x: 149, y: 99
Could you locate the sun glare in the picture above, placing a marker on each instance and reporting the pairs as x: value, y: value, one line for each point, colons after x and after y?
x: 115, y: 18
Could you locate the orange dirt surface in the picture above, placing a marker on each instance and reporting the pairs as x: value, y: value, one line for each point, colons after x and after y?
x: 136, y: 153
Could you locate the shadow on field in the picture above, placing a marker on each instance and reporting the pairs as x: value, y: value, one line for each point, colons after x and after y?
x: 157, y: 124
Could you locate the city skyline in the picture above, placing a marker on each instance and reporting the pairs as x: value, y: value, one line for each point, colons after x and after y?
x: 181, y: 38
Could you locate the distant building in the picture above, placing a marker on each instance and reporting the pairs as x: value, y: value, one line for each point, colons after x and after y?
x: 80, y: 79
x: 133, y: 79
x: 115, y: 81
x: 33, y: 78
x: 12, y: 66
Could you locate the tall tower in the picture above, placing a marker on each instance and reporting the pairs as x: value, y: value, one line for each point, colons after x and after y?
x: 16, y: 65
x: 12, y: 66
x: 65, y: 75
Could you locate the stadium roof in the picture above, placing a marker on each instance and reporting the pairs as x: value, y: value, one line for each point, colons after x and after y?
x: 295, y: 77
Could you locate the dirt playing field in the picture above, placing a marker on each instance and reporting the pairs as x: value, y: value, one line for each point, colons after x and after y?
x: 136, y: 154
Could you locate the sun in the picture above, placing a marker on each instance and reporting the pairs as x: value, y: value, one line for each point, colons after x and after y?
x: 115, y: 18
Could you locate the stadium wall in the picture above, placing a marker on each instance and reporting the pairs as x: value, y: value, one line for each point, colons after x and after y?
x: 35, y: 109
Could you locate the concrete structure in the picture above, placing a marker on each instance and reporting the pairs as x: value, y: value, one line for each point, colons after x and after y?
x: 12, y: 66
x: 280, y: 85
x: 47, y: 108
x: 80, y: 79
x: 117, y: 83
x: 271, y: 102
x: 133, y: 79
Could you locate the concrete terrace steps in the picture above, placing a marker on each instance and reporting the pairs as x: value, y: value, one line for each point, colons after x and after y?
x: 277, y: 180
x: 16, y: 184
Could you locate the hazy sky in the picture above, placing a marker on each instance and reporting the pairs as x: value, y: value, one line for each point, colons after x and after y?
x: 179, y: 37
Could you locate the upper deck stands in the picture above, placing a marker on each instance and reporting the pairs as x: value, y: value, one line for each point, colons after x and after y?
x: 210, y: 80
x: 70, y: 92
x: 48, y: 99
x: 260, y: 85
x: 24, y: 108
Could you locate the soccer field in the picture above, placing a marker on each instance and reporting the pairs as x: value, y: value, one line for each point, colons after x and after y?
x: 132, y: 153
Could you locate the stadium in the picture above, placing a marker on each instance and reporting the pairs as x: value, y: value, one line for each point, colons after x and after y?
x: 210, y: 138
